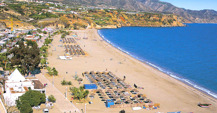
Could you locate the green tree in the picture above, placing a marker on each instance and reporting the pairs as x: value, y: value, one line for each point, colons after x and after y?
x: 63, y: 35
x: 69, y: 83
x: 79, y: 93
x: 44, y: 32
x: 63, y: 82
x: 43, y: 51
x: 47, y: 41
x: 30, y: 43
x: 43, y: 62
x: 51, y: 98
x: 29, y: 33
x: 4, y: 60
x: 55, y: 72
x: 39, y: 30
x: 25, y: 107
x: 29, y: 99
x: 52, y: 71
x: 27, y: 58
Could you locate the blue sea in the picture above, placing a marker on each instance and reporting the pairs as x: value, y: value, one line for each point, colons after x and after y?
x: 188, y: 54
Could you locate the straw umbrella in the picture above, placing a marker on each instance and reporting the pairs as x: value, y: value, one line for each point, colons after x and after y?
x: 98, y: 72
x: 99, y: 91
x: 128, y: 102
x: 104, y: 99
x: 104, y: 72
x: 122, y: 98
x: 80, y: 79
x: 148, y: 101
x: 141, y: 98
x: 135, y: 90
x: 135, y: 101
x: 92, y: 95
x: 140, y: 95
x: 108, y: 91
x: 118, y: 102
x: 108, y: 94
x: 102, y: 94
x: 92, y: 72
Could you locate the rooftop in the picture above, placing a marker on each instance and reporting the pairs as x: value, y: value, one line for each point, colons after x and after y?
x: 37, y: 84
x: 19, y: 89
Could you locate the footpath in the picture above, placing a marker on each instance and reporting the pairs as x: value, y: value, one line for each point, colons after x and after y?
x: 63, y: 104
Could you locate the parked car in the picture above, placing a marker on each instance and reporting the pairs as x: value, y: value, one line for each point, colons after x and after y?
x: 46, y: 111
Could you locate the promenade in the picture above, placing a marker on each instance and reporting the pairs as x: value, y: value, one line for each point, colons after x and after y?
x: 2, y: 110
x: 63, y: 104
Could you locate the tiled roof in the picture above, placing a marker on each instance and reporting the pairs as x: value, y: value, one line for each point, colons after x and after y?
x: 38, y: 84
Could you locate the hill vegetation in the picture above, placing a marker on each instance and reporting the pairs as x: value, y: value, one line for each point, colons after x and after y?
x: 41, y: 15
x: 119, y: 18
x: 202, y: 16
x: 96, y: 18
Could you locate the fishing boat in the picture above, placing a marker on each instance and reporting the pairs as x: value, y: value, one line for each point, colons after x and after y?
x: 204, y: 105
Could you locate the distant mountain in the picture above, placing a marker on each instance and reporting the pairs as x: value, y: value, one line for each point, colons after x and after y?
x: 202, y: 16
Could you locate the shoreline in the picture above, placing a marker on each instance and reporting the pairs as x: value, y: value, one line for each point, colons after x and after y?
x: 157, y: 26
x: 172, y: 94
x: 189, y: 86
x: 179, y: 78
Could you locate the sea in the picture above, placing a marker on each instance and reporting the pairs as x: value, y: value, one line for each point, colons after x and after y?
x: 188, y: 54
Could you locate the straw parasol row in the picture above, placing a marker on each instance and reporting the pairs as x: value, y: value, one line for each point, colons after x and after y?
x: 115, y: 89
x: 74, y: 50
x: 105, y: 80
x: 68, y: 40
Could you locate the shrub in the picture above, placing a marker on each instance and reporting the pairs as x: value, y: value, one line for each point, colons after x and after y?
x: 63, y: 36
x: 51, y: 98
x: 44, y: 32
x: 28, y: 100
x: 69, y: 83
x: 64, y: 82
x: 79, y: 93
x: 52, y: 71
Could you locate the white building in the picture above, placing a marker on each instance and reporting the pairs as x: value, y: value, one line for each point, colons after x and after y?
x: 17, y: 85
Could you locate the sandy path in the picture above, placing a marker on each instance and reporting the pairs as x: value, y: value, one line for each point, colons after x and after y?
x: 170, y: 93
x: 2, y: 110
x: 61, y: 103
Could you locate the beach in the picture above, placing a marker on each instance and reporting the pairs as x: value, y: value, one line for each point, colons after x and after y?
x: 172, y: 94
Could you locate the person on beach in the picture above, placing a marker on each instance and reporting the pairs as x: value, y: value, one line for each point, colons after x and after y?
x: 135, y: 85
x: 124, y: 78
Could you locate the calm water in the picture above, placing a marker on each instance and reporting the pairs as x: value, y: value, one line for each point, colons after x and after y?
x: 185, y: 53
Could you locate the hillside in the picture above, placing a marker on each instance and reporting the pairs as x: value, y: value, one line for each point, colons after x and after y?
x: 19, y: 21
x: 42, y: 15
x: 203, y: 16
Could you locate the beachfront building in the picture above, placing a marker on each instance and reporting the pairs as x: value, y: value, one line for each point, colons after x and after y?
x: 16, y: 85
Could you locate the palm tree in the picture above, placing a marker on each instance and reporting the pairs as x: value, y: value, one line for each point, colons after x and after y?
x: 4, y: 59
x: 79, y: 93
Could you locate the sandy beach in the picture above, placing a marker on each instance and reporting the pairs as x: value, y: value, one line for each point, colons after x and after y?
x: 172, y: 94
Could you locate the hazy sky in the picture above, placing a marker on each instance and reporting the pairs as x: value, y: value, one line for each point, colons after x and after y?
x: 194, y: 4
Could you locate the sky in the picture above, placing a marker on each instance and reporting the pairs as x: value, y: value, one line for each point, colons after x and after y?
x: 194, y: 4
